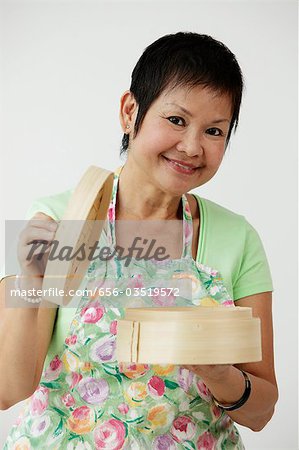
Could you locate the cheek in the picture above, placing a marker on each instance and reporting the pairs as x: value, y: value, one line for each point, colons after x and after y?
x: 155, y: 138
x: 216, y: 154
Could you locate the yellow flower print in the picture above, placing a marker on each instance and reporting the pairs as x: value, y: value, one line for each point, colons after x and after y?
x: 70, y: 361
x: 208, y: 301
x: 163, y: 369
x: 144, y: 430
x: 132, y: 370
x: 160, y: 416
x: 22, y: 444
x: 81, y: 420
x: 136, y: 393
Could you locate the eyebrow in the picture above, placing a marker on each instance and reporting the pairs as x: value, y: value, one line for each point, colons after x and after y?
x: 189, y: 113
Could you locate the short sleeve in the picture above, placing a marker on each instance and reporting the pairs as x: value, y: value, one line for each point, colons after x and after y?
x: 52, y: 205
x: 254, y: 274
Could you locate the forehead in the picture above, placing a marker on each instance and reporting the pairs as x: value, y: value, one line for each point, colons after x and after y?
x: 196, y: 99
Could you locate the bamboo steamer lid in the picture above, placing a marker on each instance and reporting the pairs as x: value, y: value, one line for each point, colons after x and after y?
x: 81, y: 224
x: 194, y: 335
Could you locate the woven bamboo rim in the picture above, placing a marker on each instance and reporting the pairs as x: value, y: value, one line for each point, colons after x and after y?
x: 81, y: 223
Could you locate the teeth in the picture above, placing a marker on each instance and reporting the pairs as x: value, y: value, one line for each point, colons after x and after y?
x: 184, y: 167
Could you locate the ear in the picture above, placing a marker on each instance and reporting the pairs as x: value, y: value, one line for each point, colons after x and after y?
x: 128, y: 111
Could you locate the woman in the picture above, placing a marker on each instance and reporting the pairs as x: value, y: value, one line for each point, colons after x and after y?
x: 177, y: 118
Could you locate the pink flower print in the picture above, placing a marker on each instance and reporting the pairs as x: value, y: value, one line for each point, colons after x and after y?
x: 185, y: 378
x: 206, y: 442
x: 39, y: 401
x: 133, y: 371
x: 164, y: 442
x: 156, y: 386
x: 183, y: 429
x: 228, y: 303
x: 53, y: 370
x: 73, y: 379
x: 92, y: 312
x: 163, y: 300
x: 103, y: 349
x: 111, y: 213
x: 71, y: 340
x: 68, y: 400
x: 81, y: 421
x: 123, y: 408
x: 113, y: 327
x: 187, y: 209
x: 216, y: 412
x: 203, y: 391
x: 136, y: 281
x: 110, y: 435
x: 92, y: 390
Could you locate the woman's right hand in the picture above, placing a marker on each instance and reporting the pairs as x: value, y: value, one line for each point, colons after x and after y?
x: 40, y: 228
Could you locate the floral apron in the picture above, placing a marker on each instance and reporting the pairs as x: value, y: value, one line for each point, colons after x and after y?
x: 87, y: 400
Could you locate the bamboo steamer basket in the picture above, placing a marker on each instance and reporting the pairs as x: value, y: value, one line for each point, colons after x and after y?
x: 192, y: 335
x: 82, y: 223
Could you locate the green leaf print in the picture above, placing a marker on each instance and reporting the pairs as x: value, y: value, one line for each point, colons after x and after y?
x: 188, y: 445
x: 58, y: 430
x: 115, y: 374
x: 60, y: 412
x: 73, y: 436
x: 196, y: 401
x: 171, y: 384
x: 137, y: 420
x: 74, y: 353
x: 51, y: 384
x: 100, y: 413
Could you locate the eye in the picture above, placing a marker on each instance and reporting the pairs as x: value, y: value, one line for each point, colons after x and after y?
x: 177, y: 120
x: 214, y: 132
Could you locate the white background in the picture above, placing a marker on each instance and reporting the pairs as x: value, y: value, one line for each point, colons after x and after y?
x: 65, y: 65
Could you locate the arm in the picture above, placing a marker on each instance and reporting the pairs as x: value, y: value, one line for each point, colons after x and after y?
x: 25, y: 333
x: 226, y: 382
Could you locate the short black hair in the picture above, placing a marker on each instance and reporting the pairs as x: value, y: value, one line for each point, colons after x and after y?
x: 184, y: 59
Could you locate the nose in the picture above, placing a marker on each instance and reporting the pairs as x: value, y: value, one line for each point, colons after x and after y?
x: 191, y: 144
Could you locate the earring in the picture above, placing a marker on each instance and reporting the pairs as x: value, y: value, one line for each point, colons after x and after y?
x: 127, y: 127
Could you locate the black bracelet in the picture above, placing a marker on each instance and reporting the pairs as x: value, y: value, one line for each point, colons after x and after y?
x: 242, y: 400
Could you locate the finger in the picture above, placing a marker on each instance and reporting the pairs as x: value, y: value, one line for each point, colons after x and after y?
x: 50, y: 225
x: 34, y: 234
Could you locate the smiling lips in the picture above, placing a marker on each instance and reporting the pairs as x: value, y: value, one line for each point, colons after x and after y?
x: 181, y: 166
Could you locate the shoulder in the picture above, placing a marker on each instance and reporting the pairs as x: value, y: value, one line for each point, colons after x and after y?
x: 221, y: 211
x: 52, y: 205
x: 219, y: 216
x: 226, y: 229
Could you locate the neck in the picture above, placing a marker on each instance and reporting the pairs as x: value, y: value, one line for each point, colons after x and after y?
x: 139, y: 199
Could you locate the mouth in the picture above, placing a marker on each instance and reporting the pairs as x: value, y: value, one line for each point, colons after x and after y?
x: 181, y: 167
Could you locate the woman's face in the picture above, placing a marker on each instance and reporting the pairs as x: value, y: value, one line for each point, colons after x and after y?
x: 181, y: 142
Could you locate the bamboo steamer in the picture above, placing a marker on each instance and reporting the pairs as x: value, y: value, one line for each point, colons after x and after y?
x: 193, y: 335
x: 81, y: 224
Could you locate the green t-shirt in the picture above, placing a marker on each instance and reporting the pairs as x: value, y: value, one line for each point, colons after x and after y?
x: 227, y: 243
